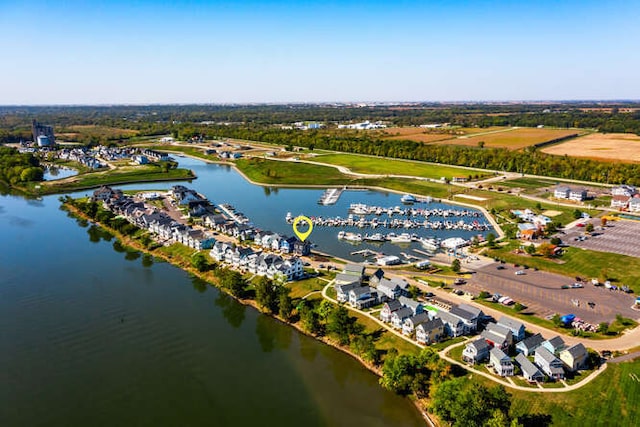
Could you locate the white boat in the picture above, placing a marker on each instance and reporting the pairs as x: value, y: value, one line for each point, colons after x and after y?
x: 399, y: 238
x: 408, y: 198
x: 350, y: 237
x: 430, y: 244
x: 377, y: 237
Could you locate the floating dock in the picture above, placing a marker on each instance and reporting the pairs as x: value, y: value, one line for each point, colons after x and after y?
x: 330, y: 196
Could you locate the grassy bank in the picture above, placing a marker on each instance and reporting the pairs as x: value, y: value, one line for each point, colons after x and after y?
x: 291, y: 173
x: 125, y: 175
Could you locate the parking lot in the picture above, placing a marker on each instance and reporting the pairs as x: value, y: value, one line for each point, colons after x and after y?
x: 541, y: 292
x: 620, y: 237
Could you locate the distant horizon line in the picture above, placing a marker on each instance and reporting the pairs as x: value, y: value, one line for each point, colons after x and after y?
x: 336, y: 103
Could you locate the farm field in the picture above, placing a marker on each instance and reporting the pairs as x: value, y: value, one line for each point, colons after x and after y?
x: 513, y: 139
x: 431, y: 135
x: 385, y: 166
x: 107, y: 132
x: 624, y: 147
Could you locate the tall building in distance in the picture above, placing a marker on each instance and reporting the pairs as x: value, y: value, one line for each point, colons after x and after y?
x: 42, y: 134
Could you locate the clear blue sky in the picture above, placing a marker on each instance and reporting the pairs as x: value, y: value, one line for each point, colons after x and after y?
x: 87, y: 52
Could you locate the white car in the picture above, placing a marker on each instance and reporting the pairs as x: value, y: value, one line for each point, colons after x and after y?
x: 520, y: 272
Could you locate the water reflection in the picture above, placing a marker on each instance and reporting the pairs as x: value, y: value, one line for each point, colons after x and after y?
x: 132, y: 255
x: 233, y: 311
x: 96, y: 234
x: 147, y: 260
x: 20, y: 222
x: 198, y: 284
x: 272, y: 335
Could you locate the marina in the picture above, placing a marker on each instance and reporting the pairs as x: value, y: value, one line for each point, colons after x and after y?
x: 330, y: 196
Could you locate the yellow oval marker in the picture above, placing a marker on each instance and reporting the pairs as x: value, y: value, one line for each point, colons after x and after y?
x: 302, y: 235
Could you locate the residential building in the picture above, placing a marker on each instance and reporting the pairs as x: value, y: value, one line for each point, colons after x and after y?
x: 497, y: 336
x: 555, y: 345
x: 414, y: 305
x: 430, y: 331
x: 363, y: 297
x: 530, y: 372
x: 354, y: 270
x: 619, y: 201
x: 388, y: 289
x: 343, y: 279
x: 528, y: 345
x: 342, y: 290
x: 453, y: 325
x: 574, y: 357
x: 399, y: 316
x: 388, y: 308
x: 516, y: 327
x: 578, y: 194
x: 624, y: 190
x: 500, y: 362
x: 469, y: 315
x: 634, y: 204
x: 409, y: 324
x: 561, y: 192
x: 548, y: 363
x: 476, y: 351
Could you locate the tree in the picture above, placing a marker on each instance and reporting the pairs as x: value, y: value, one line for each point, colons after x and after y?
x: 339, y: 324
x: 603, y: 221
x: 364, y: 347
x: 555, y: 241
x: 589, y: 228
x: 603, y: 328
x: 324, y: 309
x: 531, y: 249
x: 285, y: 304
x: 455, y: 265
x: 577, y: 214
x: 491, y: 240
x: 309, y: 319
x: 199, y: 262
x: 233, y: 281
x: 546, y: 250
x: 266, y: 294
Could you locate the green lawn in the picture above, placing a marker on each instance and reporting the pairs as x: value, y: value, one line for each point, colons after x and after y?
x: 293, y: 173
x: 581, y: 262
x: 301, y: 288
x: 527, y: 183
x: 613, y: 398
x: 386, y: 166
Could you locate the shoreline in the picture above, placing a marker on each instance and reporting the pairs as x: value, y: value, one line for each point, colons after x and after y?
x: 133, y: 244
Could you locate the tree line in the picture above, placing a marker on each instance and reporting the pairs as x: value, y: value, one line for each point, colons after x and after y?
x: 16, y: 168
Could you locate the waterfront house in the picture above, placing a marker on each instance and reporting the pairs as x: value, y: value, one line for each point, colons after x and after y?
x: 105, y: 193
x: 288, y: 269
x: 240, y: 256
x: 363, y: 297
x: 342, y: 290
x: 530, y: 372
x: 476, y: 351
x: 301, y: 248
x: 287, y: 244
x: 399, y: 316
x: 620, y: 202
x: 219, y: 250
x: 214, y: 221
x: 528, y: 345
x: 574, y: 357
x: 414, y: 305
x: 376, y: 277
x: 469, y: 315
x: 548, y: 363
x: 500, y: 362
x: 343, y: 279
x: 497, y: 336
x: 555, y: 345
x: 516, y: 327
x: 263, y: 263
x: 634, y: 204
x: 453, y: 325
x: 430, y: 331
x: 409, y: 324
x: 624, y: 190
x: 388, y: 308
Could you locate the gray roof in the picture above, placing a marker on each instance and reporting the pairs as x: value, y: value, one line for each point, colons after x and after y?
x: 498, y: 354
x: 419, y: 318
x: 463, y: 314
x: 387, y: 284
x: 347, y: 278
x: 361, y: 290
x: 400, y: 282
x: 510, y: 323
x: 346, y: 288
x: 471, y: 309
x: 498, y: 329
x: 448, y: 317
x: 480, y: 344
x: 576, y: 350
x: 556, y: 342
x: 431, y: 324
x: 404, y: 312
x: 546, y: 355
x: 409, y: 302
x: 394, y: 305
x: 528, y: 368
x: 353, y: 269
x: 532, y: 341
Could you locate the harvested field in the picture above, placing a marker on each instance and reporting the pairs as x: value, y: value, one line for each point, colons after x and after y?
x: 419, y: 134
x: 624, y: 147
x: 512, y: 138
x: 78, y: 131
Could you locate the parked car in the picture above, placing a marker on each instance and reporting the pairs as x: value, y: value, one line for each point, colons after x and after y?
x: 459, y: 282
x: 520, y: 272
x: 577, y: 285
x: 500, y: 267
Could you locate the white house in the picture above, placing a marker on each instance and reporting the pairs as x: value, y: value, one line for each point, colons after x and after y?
x: 476, y: 351
x: 430, y: 331
x: 624, y: 190
x: 577, y: 195
x: 410, y: 323
x: 500, y: 362
x: 561, y: 192
x: 530, y: 372
x: 634, y: 204
x: 548, y: 363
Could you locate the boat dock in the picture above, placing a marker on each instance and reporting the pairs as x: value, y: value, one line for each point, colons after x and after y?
x: 365, y: 253
x: 230, y: 211
x: 330, y: 196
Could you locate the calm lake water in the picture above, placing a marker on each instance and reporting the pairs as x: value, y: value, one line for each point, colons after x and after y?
x: 93, y: 336
x: 54, y: 172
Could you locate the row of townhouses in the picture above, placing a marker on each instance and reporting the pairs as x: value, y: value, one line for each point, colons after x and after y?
x: 271, y: 265
x: 550, y: 357
x: 570, y: 193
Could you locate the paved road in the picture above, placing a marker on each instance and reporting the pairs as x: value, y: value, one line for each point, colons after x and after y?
x: 625, y: 358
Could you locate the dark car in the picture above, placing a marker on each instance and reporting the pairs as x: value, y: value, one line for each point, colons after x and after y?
x: 500, y: 267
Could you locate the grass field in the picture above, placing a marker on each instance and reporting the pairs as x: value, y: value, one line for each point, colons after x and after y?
x: 293, y: 173
x: 623, y: 147
x: 384, y: 166
x: 513, y: 139
x: 581, y: 262
x: 612, y: 399
x: 528, y: 183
